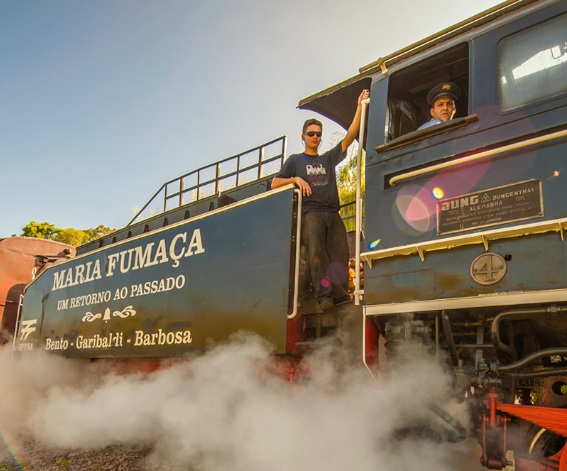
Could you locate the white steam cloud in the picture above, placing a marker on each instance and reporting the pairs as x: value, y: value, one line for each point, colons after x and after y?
x: 225, y: 411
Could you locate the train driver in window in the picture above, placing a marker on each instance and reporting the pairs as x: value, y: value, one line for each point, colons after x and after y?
x: 441, y: 98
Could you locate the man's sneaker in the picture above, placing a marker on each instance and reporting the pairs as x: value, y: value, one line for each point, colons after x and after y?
x: 325, y: 304
x: 342, y: 300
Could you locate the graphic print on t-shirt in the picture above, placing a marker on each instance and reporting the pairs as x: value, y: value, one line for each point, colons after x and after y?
x: 316, y: 175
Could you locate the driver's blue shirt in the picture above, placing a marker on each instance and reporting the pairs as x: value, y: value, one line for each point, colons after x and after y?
x: 431, y: 122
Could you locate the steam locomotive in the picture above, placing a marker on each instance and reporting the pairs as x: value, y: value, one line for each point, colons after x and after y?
x: 461, y: 239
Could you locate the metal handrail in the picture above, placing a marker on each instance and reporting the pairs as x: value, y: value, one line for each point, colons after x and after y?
x: 179, y: 182
x: 478, y: 156
x: 444, y: 34
x: 358, y: 229
x: 484, y: 238
x: 345, y: 206
x: 295, y: 307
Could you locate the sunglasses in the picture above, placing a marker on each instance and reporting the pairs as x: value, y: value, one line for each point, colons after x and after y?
x: 314, y: 133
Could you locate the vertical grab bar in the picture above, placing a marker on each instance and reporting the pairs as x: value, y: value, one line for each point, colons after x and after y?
x: 358, y: 207
x: 297, y: 257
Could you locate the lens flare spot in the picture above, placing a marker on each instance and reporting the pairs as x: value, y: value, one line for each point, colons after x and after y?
x: 415, y: 212
x: 325, y: 283
x: 438, y: 193
x: 374, y: 244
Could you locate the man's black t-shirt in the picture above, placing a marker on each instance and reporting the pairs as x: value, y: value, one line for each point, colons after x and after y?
x: 319, y: 172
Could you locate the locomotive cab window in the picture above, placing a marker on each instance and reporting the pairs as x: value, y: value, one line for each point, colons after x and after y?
x: 530, y: 58
x: 408, y: 88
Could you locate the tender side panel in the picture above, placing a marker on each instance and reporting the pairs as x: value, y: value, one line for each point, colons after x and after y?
x: 171, y: 291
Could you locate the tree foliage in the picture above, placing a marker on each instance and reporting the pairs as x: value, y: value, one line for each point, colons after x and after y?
x: 69, y: 235
x: 346, y: 182
x: 40, y: 230
x: 97, y: 232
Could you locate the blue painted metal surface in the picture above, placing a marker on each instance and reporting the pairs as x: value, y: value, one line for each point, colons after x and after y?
x: 171, y: 291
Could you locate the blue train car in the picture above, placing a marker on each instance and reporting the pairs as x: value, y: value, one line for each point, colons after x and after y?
x: 181, y: 280
x: 170, y: 291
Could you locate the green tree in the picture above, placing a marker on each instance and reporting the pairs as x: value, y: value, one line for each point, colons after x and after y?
x: 97, y: 232
x: 69, y: 235
x: 346, y: 182
x: 40, y: 230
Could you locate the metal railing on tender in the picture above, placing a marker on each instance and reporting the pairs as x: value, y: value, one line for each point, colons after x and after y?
x: 232, y: 172
x: 348, y: 214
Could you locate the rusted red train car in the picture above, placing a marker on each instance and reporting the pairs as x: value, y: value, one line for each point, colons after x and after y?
x: 21, y: 260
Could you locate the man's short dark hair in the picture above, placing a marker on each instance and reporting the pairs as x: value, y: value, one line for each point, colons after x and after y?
x: 311, y: 121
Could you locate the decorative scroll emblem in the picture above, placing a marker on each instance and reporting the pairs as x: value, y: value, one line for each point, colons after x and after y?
x: 126, y: 312
x: 488, y: 268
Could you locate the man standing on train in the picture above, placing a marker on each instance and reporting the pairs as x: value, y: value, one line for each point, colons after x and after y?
x: 323, y: 234
x: 441, y: 99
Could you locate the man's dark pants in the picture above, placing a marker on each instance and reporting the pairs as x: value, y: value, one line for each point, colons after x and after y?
x: 323, y: 235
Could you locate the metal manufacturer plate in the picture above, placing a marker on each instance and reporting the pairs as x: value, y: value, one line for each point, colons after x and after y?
x: 515, y: 202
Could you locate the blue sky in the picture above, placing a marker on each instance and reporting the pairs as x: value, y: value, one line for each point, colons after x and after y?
x: 103, y: 101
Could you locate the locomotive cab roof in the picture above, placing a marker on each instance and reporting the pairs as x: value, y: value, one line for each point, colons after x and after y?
x: 339, y: 101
